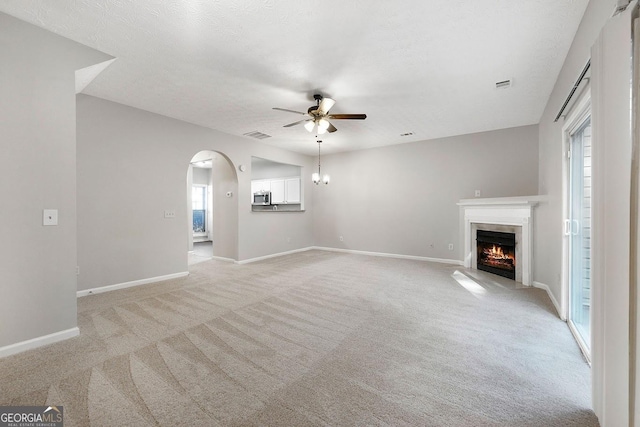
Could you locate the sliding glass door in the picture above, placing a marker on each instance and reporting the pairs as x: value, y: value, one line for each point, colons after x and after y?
x: 578, y: 231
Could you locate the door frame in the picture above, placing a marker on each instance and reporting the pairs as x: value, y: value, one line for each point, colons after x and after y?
x: 576, y: 117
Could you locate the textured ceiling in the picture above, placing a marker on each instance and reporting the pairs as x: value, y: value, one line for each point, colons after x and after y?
x: 427, y: 67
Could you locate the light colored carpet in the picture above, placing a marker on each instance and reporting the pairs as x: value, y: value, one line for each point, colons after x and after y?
x: 202, y: 251
x: 315, y: 338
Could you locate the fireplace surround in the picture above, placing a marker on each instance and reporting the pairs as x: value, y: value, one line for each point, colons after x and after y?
x: 512, y: 215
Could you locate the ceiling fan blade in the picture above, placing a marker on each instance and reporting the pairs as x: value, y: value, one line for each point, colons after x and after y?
x: 289, y: 111
x: 295, y: 123
x: 331, y: 128
x: 325, y: 105
x: 347, y: 116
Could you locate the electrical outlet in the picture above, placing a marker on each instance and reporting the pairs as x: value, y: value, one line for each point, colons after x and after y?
x: 341, y: 239
x: 478, y: 193
x: 169, y: 214
x: 450, y: 246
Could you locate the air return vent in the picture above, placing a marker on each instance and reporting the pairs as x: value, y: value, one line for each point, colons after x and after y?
x: 505, y: 84
x: 257, y: 135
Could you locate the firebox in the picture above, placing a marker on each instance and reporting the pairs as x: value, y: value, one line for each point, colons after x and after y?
x: 497, y: 253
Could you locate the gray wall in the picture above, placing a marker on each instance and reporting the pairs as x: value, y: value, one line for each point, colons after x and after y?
x: 189, y: 222
x: 225, y: 209
x: 402, y: 199
x: 123, y: 235
x: 37, y: 160
x: 548, y: 221
x: 264, y: 169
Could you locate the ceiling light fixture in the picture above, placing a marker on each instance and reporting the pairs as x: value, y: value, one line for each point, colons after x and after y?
x: 319, y: 125
x: 323, y: 124
x: 315, y: 177
x: 202, y: 163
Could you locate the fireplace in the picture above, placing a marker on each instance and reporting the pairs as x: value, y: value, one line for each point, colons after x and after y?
x: 506, y: 215
x: 496, y: 253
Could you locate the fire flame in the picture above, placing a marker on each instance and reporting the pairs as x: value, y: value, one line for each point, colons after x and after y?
x: 495, y: 256
x: 497, y: 252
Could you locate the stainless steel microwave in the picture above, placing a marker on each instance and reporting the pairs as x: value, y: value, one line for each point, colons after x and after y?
x: 262, y: 198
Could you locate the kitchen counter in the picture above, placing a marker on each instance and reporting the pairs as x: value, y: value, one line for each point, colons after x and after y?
x: 277, y: 208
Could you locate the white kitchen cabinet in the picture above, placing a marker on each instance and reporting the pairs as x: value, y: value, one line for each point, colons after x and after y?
x: 283, y: 190
x: 292, y: 190
x: 278, y: 194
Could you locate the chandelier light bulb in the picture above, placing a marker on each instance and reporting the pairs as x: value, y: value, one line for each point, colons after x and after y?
x: 315, y: 177
x: 323, y: 124
x: 309, y: 126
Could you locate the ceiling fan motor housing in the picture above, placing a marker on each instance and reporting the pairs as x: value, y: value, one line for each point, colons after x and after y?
x: 314, y: 108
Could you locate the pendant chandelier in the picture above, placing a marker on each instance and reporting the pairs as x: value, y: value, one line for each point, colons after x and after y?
x: 315, y: 177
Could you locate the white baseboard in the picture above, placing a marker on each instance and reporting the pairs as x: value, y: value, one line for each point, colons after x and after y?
x: 124, y: 285
x: 38, y: 342
x: 386, y: 255
x: 220, y: 258
x: 295, y: 251
x: 350, y: 251
x: 551, y: 297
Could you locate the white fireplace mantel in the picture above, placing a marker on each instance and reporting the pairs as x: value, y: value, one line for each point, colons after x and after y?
x: 511, y: 211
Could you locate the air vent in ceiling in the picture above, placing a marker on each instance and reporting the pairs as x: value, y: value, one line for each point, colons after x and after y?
x: 505, y: 84
x: 257, y: 135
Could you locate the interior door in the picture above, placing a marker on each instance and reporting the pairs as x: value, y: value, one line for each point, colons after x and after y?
x: 578, y: 230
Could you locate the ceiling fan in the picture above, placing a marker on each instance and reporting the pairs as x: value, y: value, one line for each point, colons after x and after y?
x: 319, y: 116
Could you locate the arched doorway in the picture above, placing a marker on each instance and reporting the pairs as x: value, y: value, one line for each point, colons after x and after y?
x: 212, y: 208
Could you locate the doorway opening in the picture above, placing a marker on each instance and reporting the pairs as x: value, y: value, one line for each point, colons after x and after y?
x: 212, y: 208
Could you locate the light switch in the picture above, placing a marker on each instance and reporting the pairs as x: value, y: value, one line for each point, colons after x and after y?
x: 169, y: 214
x: 50, y: 217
